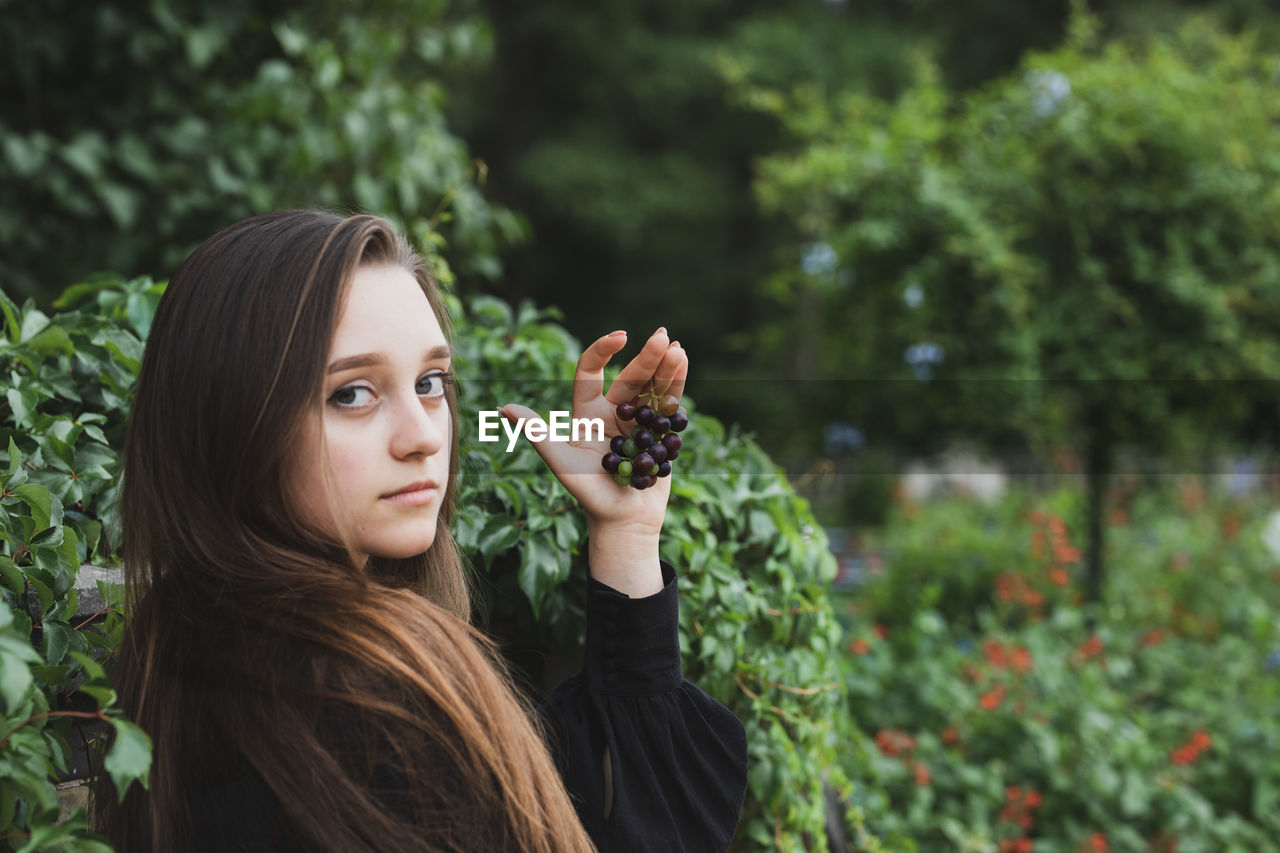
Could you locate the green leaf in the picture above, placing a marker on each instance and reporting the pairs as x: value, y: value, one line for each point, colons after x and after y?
x: 15, y: 457
x: 46, y: 510
x: 55, y: 641
x: 46, y: 837
x: 15, y: 674
x: 12, y: 576
x: 498, y: 536
x: 10, y: 310
x: 23, y: 403
x: 129, y: 758
x: 539, y: 571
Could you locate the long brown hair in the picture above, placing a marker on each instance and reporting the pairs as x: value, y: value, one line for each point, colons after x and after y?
x: 360, y: 695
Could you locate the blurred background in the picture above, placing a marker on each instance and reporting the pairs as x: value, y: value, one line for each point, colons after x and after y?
x: 996, y: 284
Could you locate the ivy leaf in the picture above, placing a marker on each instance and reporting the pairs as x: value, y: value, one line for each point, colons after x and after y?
x: 46, y: 510
x: 15, y: 457
x: 15, y: 674
x: 130, y: 757
x: 55, y: 640
x: 539, y: 571
x: 12, y: 576
x: 23, y: 404
x: 499, y: 535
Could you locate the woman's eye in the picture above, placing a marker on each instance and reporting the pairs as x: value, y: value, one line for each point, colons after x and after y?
x: 432, y: 385
x: 352, y: 396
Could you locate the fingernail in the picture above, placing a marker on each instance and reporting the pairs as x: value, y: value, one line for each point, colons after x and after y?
x: 662, y: 330
x: 676, y: 344
x: 615, y: 334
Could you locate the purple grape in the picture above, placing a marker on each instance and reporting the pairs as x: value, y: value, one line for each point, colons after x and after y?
x: 626, y: 410
x: 673, y: 455
x: 664, y: 470
x: 643, y: 464
x: 641, y: 481
x: 679, y: 421
x: 616, y: 444
x: 642, y: 437
x: 644, y: 415
x: 658, y: 451
x: 661, y: 424
x: 673, y: 443
x: 610, y: 462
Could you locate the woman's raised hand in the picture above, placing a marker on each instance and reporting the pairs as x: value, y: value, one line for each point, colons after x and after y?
x: 577, y: 463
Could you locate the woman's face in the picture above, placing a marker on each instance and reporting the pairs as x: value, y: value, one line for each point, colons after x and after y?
x: 386, y: 422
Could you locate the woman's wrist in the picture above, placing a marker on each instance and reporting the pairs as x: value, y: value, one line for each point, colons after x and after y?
x: 625, y: 557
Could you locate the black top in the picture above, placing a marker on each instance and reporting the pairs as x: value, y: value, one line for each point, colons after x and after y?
x: 678, y: 757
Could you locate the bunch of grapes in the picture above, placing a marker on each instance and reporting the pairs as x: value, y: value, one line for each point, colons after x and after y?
x: 640, y: 460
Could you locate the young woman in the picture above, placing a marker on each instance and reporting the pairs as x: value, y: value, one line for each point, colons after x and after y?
x: 299, y: 649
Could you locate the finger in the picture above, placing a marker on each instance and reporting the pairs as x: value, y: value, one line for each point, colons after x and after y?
x: 588, y: 381
x: 665, y: 376
x: 682, y: 373
x: 632, y: 378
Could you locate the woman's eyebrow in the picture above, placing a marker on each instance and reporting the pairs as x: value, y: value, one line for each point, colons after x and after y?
x: 374, y: 359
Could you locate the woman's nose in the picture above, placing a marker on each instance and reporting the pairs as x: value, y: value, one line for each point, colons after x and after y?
x: 419, y: 428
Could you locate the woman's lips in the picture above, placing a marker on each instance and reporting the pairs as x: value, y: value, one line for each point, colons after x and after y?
x: 415, y: 494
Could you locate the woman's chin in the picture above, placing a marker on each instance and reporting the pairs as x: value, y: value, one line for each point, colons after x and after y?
x: 401, y: 547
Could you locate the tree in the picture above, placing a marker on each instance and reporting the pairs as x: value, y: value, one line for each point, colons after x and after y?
x: 1084, y: 250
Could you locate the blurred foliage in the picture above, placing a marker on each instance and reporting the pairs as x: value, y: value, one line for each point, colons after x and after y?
x: 1015, y: 723
x: 131, y: 131
x: 1073, y: 247
x: 1075, y: 226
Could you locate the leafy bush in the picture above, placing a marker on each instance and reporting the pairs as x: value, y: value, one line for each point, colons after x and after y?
x: 1156, y: 730
x: 70, y: 384
x: 133, y: 130
x: 757, y: 630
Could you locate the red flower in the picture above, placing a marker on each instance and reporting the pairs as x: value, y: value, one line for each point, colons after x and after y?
x: 1018, y: 806
x: 1060, y: 577
x: 894, y: 742
x: 995, y: 653
x: 880, y: 631
x: 950, y: 735
x: 1021, y: 659
x: 1098, y: 843
x: 1190, y: 751
x: 859, y: 646
x: 922, y: 774
x: 992, y: 698
x: 1154, y: 637
x: 1089, y: 648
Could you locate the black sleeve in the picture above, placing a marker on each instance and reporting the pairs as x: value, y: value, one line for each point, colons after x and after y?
x: 678, y: 757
